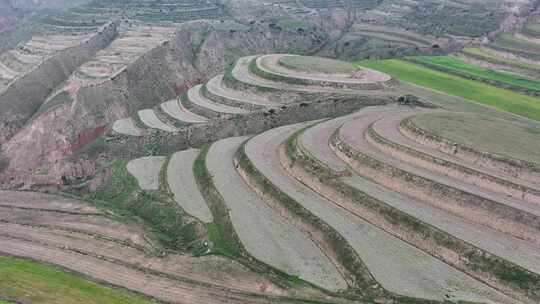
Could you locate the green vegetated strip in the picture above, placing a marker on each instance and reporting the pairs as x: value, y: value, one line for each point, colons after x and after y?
x: 32, y: 282
x: 164, y: 218
x: 479, y: 53
x: 532, y: 29
x: 498, y: 98
x: 510, y: 42
x: 453, y: 64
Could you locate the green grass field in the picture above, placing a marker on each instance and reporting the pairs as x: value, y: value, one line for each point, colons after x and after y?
x: 455, y: 64
x: 31, y: 282
x: 498, y: 98
x: 500, y: 60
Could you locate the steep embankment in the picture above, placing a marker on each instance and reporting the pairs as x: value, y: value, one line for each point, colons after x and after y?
x: 25, y: 94
x: 197, y: 51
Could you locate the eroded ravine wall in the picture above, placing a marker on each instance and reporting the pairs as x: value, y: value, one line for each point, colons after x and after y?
x: 25, y: 95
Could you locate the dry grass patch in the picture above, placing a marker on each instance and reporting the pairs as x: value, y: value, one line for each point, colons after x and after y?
x: 508, y: 138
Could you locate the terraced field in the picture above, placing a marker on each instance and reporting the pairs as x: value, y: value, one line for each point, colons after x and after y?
x: 252, y: 87
x: 125, y: 259
x: 96, y: 13
x: 402, y: 200
x: 27, y: 56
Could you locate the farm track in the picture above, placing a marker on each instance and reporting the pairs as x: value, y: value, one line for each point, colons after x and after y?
x: 181, y: 182
x: 398, y: 266
x: 263, y: 232
x: 491, y: 209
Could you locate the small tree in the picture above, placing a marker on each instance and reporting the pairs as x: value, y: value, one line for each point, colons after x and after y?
x: 408, y: 99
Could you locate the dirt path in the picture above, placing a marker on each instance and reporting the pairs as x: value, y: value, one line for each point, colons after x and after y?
x: 263, y: 232
x: 398, y: 266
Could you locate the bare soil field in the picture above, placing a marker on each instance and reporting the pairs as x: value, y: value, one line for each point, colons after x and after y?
x: 181, y: 182
x: 103, y: 253
x: 152, y: 121
x: 175, y: 110
x: 126, y: 126
x: 216, y: 87
x: 147, y: 171
x: 520, y: 253
x: 209, y: 106
x: 353, y: 133
x: 383, y: 254
x: 263, y: 232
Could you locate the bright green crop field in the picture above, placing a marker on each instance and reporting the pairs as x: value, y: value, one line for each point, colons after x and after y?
x: 498, y: 98
x: 31, y: 282
x: 460, y: 66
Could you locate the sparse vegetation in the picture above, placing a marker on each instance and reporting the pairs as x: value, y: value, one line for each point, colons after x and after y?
x: 317, y: 64
x: 513, y: 139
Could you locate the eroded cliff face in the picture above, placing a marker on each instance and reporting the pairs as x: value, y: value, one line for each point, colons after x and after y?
x: 20, y: 101
x: 41, y: 153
